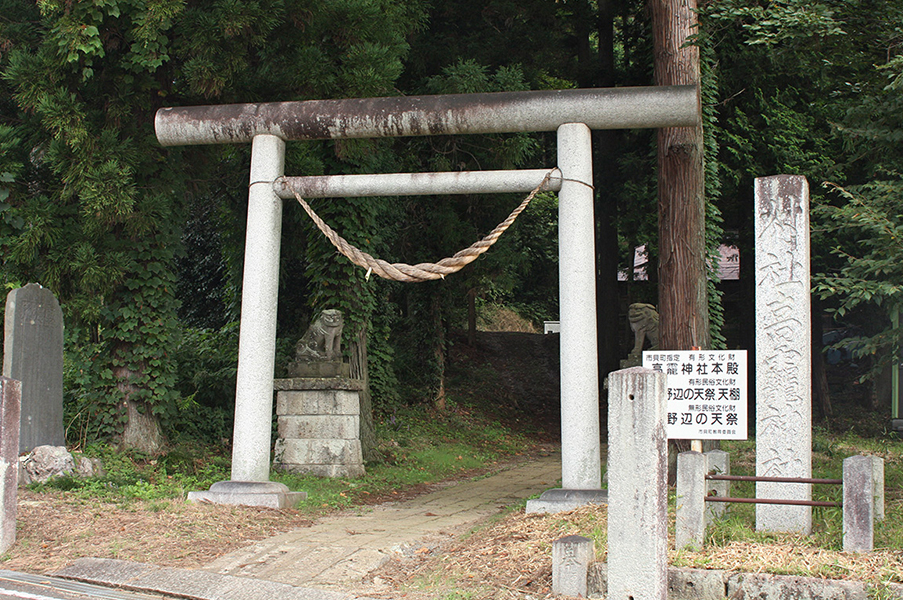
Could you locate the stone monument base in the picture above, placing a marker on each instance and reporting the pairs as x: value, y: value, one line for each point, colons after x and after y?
x: 266, y: 494
x: 319, y: 426
x: 561, y: 500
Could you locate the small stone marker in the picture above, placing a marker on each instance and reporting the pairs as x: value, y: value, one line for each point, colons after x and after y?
x: 637, y: 485
x: 33, y: 354
x: 858, y: 504
x: 571, y: 557
x: 10, y: 395
x: 689, y: 529
x: 719, y: 463
x: 783, y: 350
x: 878, y: 481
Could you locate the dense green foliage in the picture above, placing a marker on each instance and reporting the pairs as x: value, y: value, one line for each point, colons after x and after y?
x: 143, y: 245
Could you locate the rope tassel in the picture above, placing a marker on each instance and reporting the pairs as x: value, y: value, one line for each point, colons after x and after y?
x: 423, y: 271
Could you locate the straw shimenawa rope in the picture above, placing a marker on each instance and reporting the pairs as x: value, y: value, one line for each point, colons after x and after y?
x: 422, y: 271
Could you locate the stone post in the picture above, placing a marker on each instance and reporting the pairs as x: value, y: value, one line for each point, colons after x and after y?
x: 878, y: 482
x: 718, y: 463
x: 259, y: 299
x: 10, y: 402
x: 33, y: 355
x: 252, y: 441
x: 689, y: 528
x: 858, y: 504
x: 637, y: 485
x: 581, y: 456
x: 783, y: 350
x: 571, y: 557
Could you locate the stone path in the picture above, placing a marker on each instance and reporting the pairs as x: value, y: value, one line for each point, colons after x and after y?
x: 337, y: 552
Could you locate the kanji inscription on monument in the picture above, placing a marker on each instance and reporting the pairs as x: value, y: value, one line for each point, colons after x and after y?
x: 783, y: 350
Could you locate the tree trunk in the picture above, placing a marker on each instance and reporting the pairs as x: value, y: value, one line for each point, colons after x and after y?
x: 472, y: 317
x: 438, y: 352
x: 682, y: 291
x: 683, y: 303
x: 142, y: 430
x: 821, y: 395
x: 359, y: 371
x: 606, y: 210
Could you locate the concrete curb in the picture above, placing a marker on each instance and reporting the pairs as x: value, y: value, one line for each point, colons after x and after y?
x: 188, y: 583
x: 701, y: 584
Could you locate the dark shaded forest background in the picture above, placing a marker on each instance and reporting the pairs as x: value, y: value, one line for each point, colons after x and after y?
x: 143, y: 245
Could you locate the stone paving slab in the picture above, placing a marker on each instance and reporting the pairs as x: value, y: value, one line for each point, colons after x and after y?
x: 339, y: 551
x: 189, y: 583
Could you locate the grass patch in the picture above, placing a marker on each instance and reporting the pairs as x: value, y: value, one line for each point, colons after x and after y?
x: 131, y: 476
x: 419, y: 446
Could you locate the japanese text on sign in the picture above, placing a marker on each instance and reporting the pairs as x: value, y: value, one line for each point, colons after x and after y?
x: 707, y: 392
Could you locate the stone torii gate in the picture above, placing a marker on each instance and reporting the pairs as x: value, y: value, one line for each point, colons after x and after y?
x: 572, y: 113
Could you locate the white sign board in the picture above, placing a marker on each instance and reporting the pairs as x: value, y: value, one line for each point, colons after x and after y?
x: 707, y: 392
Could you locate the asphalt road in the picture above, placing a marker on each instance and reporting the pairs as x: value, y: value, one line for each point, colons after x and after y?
x: 25, y: 586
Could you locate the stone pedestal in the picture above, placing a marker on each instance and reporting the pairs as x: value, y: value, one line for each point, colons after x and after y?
x: 319, y: 426
x: 265, y: 494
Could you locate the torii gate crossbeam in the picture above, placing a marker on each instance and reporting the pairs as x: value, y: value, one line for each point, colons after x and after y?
x: 572, y: 113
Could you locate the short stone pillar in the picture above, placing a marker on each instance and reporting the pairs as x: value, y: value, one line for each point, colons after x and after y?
x: 878, y: 481
x: 571, y: 557
x: 637, y: 485
x: 10, y: 399
x: 783, y: 351
x: 319, y: 426
x: 718, y: 463
x: 33, y: 355
x: 858, y: 504
x: 689, y: 530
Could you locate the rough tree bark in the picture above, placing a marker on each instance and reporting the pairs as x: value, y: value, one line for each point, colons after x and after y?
x: 359, y: 371
x: 605, y: 145
x: 821, y: 394
x: 142, y: 430
x: 683, y: 303
x: 438, y: 353
x: 682, y: 290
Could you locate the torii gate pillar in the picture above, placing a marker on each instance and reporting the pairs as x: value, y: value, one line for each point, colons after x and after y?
x: 250, y: 484
x: 581, y: 460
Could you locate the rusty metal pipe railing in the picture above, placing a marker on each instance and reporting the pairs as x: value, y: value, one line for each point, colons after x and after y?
x: 711, y: 477
x: 500, y: 112
x: 772, y: 501
x: 773, y: 479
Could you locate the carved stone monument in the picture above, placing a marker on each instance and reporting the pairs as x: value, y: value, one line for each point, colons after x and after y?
x: 783, y: 350
x: 33, y: 354
x: 318, y: 407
